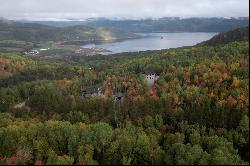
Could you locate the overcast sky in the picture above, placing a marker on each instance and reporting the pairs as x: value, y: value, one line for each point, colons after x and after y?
x: 82, y: 9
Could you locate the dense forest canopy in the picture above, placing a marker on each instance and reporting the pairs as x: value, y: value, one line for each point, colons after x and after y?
x: 196, y: 112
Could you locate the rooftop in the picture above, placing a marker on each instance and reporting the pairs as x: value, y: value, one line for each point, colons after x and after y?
x: 119, y: 94
x: 91, y: 90
x: 149, y: 71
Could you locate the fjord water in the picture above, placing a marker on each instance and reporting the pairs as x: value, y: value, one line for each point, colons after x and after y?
x: 154, y: 41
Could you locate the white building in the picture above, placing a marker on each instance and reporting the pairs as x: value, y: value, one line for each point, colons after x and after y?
x: 151, y: 77
x: 32, y: 52
x: 44, y: 49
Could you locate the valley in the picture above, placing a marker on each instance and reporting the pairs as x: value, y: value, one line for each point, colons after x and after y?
x: 81, y: 95
x: 25, y: 37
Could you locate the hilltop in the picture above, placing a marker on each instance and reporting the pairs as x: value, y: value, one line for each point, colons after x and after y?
x: 166, y: 24
x: 239, y: 34
x: 21, y: 37
x: 33, y: 32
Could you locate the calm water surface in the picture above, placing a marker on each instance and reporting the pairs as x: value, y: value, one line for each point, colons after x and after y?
x: 154, y: 41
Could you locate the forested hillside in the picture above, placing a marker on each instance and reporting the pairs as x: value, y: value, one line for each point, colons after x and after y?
x: 196, y: 113
x: 239, y: 34
x: 31, y: 32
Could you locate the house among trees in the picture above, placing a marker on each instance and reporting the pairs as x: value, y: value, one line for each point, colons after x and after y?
x: 90, y: 91
x: 93, y: 91
x: 150, y: 76
x: 119, y: 97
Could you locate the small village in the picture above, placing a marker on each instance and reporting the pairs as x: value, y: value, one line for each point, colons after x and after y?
x: 35, y: 52
x: 65, y: 52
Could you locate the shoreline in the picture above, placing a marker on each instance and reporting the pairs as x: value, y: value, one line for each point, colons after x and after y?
x: 97, y: 41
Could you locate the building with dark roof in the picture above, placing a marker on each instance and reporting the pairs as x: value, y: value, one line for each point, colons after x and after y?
x: 119, y: 97
x: 97, y: 91
x: 91, y: 90
x: 150, y: 76
x: 149, y: 72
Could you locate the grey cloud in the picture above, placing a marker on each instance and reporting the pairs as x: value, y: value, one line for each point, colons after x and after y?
x: 82, y: 9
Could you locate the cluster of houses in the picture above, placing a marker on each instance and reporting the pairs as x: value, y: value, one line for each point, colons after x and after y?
x: 149, y: 75
x: 91, y: 51
x: 35, y: 52
x: 32, y: 52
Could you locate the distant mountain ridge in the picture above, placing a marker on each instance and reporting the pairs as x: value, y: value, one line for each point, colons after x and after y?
x: 11, y: 30
x: 239, y: 34
x: 166, y: 24
x: 175, y: 24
